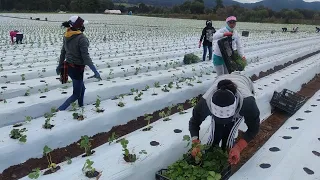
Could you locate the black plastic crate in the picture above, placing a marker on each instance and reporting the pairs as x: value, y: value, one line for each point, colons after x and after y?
x: 245, y: 33
x: 225, y: 174
x: 288, y: 101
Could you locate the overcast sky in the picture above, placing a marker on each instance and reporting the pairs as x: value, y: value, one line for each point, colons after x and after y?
x: 252, y: 1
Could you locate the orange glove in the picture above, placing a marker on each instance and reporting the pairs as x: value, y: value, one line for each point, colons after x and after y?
x: 196, y: 149
x: 234, y: 154
x: 227, y: 34
x: 200, y: 44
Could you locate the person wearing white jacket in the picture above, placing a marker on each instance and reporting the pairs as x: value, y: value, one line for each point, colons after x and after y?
x: 236, y: 44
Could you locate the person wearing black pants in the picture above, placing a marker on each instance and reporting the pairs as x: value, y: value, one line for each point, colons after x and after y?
x: 73, y: 59
x: 207, y: 38
x: 19, y: 38
x: 229, y: 101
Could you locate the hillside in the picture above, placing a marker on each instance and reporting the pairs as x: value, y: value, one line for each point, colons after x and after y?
x: 273, y: 4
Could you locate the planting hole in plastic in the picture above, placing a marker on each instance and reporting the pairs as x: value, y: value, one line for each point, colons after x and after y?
x: 13, y: 72
x: 308, y: 171
x: 260, y: 88
x: 64, y: 93
x: 178, y: 131
x: 308, y: 111
x: 265, y: 166
x: 276, y: 79
x: 287, y: 137
x: 30, y: 70
x: 313, y: 105
x: 100, y: 84
x: 22, y: 83
x: 154, y: 143
x: 4, y: 87
x: 294, y: 128
x: 316, y: 153
x: 43, y: 97
x: 42, y: 81
x: 300, y: 119
x: 87, y: 73
x: 274, y: 149
x: 20, y: 102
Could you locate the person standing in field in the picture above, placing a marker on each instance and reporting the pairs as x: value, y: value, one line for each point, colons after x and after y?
x: 229, y: 30
x: 229, y: 102
x: 73, y: 59
x: 207, y: 38
x: 16, y: 34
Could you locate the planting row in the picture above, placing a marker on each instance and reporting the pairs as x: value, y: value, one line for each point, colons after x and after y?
x: 95, y: 122
x: 164, y: 136
x: 24, y: 86
x: 292, y: 152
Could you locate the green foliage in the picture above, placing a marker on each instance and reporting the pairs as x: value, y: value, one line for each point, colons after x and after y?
x: 157, y: 85
x: 112, y: 138
x: 124, y: 143
x: 86, y: 144
x: 238, y: 63
x: 190, y: 59
x: 69, y: 160
x: 87, y: 167
x: 28, y: 119
x: 143, y: 152
x: 18, y: 134
x: 211, y: 163
x: 35, y: 174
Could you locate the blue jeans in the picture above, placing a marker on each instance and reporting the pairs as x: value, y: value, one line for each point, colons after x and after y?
x: 205, y: 50
x: 76, y: 74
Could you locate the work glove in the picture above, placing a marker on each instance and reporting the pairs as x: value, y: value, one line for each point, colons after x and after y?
x: 244, y: 58
x: 234, y: 153
x: 227, y: 34
x: 200, y: 42
x: 96, y: 75
x: 196, y: 149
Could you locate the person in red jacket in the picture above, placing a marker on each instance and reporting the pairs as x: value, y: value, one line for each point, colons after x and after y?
x: 18, y: 35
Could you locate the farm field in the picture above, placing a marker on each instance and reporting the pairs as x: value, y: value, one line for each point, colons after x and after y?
x: 146, y: 96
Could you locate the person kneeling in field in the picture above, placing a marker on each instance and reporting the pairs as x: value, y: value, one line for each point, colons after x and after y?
x: 16, y: 34
x: 73, y: 59
x: 229, y: 30
x: 229, y: 101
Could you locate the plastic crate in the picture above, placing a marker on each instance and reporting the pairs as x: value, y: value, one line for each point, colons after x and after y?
x: 245, y: 33
x: 288, y: 101
x: 225, y: 174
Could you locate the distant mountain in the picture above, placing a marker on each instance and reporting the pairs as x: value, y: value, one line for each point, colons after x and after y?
x: 273, y: 4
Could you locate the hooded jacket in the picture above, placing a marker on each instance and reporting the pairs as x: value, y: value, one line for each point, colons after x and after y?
x: 236, y: 41
x: 75, y: 49
x: 247, y: 106
x: 207, y: 35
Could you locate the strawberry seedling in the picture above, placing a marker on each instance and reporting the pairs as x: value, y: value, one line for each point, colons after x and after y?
x: 97, y: 105
x: 112, y: 138
x: 18, y: 134
x: 52, y: 166
x: 86, y: 145
x: 127, y: 156
x: 147, y: 118
x: 89, y: 171
x: 35, y: 174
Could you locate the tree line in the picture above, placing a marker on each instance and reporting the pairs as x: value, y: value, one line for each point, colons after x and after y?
x: 85, y: 6
x: 190, y: 8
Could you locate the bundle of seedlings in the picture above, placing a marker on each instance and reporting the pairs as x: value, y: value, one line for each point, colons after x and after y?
x: 210, y: 163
